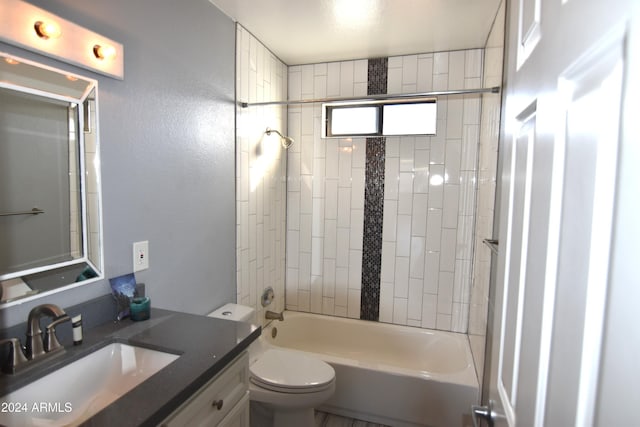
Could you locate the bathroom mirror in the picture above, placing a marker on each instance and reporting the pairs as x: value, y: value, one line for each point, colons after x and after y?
x: 50, y: 200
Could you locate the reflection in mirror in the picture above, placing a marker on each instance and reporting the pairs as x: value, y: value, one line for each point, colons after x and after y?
x: 50, y: 204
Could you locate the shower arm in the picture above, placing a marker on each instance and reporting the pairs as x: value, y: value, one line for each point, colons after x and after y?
x: 269, y: 130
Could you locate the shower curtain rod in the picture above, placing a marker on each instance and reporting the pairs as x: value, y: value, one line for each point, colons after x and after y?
x: 495, y: 89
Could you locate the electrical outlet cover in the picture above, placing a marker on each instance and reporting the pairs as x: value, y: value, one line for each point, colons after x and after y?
x: 140, y: 255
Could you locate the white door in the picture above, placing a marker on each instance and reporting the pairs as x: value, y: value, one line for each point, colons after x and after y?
x: 568, y: 237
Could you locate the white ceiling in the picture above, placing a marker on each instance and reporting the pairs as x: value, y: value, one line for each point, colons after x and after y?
x: 311, y: 31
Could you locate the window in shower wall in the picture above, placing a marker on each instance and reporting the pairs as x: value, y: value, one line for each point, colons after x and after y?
x: 379, y: 118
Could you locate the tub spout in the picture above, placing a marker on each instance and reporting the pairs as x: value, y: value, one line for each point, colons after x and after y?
x: 274, y: 316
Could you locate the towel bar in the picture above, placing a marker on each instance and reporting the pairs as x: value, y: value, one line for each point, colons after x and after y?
x: 34, y: 211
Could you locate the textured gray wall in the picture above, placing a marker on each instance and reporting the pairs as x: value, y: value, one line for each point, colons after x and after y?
x: 167, y: 146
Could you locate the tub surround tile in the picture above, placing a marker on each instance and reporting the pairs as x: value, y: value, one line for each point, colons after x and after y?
x: 430, y: 169
x: 353, y: 307
x: 386, y: 301
x: 429, y: 310
x: 391, y: 219
x: 414, y: 308
x: 425, y: 73
x: 456, y: 69
x: 261, y: 189
x: 395, y: 80
x: 346, y: 78
x: 441, y: 63
x: 355, y: 269
x: 401, y: 282
x: 403, y: 235
x: 400, y: 311
x: 473, y: 63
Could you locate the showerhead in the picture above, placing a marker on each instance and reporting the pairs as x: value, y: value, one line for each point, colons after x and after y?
x: 286, y: 141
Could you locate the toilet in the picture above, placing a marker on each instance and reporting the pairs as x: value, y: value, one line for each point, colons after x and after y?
x: 285, y: 386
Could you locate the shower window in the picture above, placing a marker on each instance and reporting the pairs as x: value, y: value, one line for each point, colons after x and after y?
x: 379, y: 118
x: 354, y: 120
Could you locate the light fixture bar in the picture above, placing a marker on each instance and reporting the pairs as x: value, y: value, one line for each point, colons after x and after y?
x: 35, y: 29
x: 495, y: 89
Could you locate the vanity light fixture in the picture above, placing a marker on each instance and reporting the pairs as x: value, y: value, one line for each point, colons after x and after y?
x: 47, y: 29
x: 104, y: 52
x: 27, y: 26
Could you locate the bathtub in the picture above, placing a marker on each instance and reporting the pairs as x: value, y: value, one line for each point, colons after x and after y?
x: 389, y: 374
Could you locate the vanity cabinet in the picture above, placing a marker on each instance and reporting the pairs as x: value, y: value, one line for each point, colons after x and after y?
x: 223, y: 401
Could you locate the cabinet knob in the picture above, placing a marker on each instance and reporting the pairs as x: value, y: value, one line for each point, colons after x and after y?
x: 218, y: 404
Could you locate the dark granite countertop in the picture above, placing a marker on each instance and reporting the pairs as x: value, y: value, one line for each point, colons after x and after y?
x: 205, y: 345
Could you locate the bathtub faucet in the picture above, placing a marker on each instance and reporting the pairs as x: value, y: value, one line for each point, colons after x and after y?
x: 274, y: 316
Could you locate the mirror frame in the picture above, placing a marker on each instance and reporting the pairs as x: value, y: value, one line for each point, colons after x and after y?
x: 89, y: 93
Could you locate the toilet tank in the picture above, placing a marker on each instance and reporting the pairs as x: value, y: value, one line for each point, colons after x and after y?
x: 235, y: 312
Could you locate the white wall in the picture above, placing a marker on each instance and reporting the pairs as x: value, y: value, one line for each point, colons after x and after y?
x: 260, y: 174
x: 428, y: 227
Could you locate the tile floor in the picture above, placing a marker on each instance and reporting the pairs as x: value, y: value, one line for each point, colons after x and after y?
x: 324, y: 419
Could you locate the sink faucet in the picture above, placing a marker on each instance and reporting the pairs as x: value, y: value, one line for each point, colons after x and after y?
x: 36, y: 346
x: 274, y: 316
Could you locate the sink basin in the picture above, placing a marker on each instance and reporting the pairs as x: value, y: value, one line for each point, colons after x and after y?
x: 75, y: 392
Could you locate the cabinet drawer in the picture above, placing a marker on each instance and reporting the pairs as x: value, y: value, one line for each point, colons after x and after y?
x: 209, y: 405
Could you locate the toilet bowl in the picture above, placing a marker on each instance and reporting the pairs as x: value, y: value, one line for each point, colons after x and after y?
x: 286, y: 383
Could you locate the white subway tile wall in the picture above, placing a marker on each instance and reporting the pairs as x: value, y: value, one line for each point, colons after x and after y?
x: 261, y: 177
x: 487, y: 173
x: 429, y: 197
x: 326, y: 191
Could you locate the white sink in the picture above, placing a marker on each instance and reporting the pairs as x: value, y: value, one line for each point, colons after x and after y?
x: 74, y: 393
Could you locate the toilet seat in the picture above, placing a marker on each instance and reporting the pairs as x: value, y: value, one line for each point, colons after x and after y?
x: 289, y: 372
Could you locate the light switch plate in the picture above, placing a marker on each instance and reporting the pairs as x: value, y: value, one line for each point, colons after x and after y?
x: 140, y: 255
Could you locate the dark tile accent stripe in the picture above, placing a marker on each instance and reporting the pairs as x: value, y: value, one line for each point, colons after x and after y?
x: 373, y: 203
x: 372, y: 233
x: 377, y: 76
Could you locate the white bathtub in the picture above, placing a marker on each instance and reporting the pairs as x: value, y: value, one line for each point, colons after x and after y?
x: 389, y: 374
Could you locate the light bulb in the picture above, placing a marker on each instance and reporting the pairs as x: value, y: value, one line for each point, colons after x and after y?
x: 104, y: 52
x: 47, y: 30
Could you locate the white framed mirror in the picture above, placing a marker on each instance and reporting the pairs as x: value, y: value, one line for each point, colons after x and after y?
x: 50, y: 191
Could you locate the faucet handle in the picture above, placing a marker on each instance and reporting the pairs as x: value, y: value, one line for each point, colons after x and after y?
x: 16, y: 355
x: 51, y: 342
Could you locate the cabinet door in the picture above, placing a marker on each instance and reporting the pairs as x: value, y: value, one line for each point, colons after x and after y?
x: 219, y: 397
x: 239, y: 415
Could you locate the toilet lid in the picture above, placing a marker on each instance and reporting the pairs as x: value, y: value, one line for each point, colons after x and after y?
x: 289, y: 370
